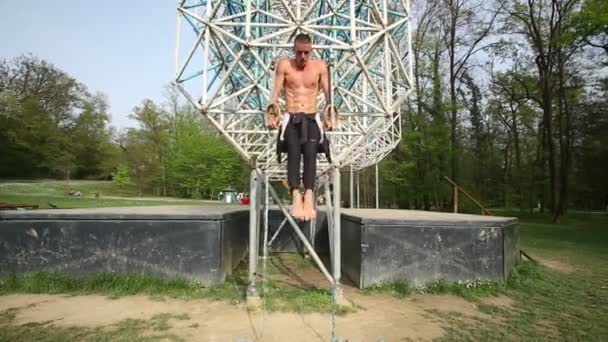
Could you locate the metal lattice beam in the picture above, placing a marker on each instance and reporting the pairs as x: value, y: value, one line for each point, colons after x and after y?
x: 226, y: 54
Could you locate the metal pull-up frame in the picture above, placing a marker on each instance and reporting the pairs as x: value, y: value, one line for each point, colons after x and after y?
x: 260, y: 194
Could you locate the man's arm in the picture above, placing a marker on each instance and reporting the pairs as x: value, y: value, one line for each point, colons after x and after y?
x: 330, y: 112
x: 273, y: 111
x: 325, y: 82
x: 279, y: 79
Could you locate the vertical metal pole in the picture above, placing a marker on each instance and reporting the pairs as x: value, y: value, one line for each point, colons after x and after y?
x: 409, y: 42
x: 258, y: 209
x: 298, y: 10
x: 387, y: 59
x: 265, y: 257
x: 206, y: 54
x: 377, y: 197
x: 337, y: 251
x: 266, y: 211
x: 353, y: 31
x: 330, y: 220
x: 253, y: 226
x: 352, y: 189
x: 178, y: 39
x: 247, y: 20
x: 358, y: 181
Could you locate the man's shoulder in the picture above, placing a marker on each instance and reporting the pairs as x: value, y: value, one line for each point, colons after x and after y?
x: 320, y: 62
x: 283, y: 62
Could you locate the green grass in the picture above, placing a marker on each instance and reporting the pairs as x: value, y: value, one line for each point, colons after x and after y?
x: 127, y: 330
x: 570, y: 306
x: 69, y: 202
x: 549, y: 305
x: 279, y: 296
x: 115, y: 286
x: 398, y: 289
x: 302, y: 300
x: 471, y: 290
x: 58, y: 188
x: 46, y: 192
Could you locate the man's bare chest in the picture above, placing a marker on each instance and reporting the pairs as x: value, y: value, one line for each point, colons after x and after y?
x: 302, y: 78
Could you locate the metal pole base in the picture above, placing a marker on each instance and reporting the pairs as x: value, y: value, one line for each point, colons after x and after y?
x: 253, y: 299
x: 338, y: 292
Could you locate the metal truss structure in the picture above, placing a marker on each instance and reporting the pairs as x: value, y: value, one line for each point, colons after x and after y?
x: 226, y: 70
x: 226, y: 54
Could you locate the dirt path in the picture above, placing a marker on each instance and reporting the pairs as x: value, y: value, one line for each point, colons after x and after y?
x: 377, y: 318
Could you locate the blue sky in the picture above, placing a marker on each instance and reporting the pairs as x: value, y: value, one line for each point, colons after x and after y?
x: 123, y: 49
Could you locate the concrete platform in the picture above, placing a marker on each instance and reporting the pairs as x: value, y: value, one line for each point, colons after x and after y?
x: 202, y: 243
x: 385, y: 245
x: 205, y: 243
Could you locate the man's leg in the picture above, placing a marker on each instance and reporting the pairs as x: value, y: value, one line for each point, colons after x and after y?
x: 294, y: 150
x: 310, y: 170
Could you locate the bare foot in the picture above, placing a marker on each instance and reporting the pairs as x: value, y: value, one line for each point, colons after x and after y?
x: 297, y: 209
x: 309, y: 206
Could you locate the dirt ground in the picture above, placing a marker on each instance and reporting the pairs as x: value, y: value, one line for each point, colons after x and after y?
x: 378, y: 317
x: 557, y: 265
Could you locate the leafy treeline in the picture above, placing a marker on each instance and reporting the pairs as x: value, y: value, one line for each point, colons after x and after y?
x: 51, y: 126
x: 511, y: 102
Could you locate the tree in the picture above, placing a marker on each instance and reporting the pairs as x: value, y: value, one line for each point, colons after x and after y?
x: 154, y: 124
x: 121, y: 176
x: 51, y: 125
x: 590, y: 25
x: 544, y: 24
x: 465, y: 28
x: 95, y: 153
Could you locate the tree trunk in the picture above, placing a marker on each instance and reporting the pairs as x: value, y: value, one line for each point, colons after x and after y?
x: 564, y: 142
x: 549, y: 146
x: 506, y: 175
x: 540, y: 167
x: 517, y: 161
x: 453, y: 110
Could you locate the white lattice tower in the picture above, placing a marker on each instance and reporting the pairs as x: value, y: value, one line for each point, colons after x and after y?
x: 225, y: 58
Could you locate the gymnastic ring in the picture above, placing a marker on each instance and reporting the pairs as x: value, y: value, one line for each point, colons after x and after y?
x: 274, y: 110
x: 329, y: 108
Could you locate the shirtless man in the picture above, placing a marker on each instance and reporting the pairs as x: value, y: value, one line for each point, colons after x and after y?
x: 301, y: 79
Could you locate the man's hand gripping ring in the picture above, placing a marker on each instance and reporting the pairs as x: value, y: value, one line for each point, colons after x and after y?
x: 332, y: 117
x: 273, y: 116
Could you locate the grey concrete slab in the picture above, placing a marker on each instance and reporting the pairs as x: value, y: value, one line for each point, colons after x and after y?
x: 199, y: 243
x: 381, y: 246
x: 174, y: 212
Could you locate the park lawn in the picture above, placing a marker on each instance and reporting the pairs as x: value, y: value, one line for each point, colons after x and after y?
x: 561, y: 296
x: 567, y: 301
x: 65, y: 202
x: 49, y: 193
x: 59, y: 188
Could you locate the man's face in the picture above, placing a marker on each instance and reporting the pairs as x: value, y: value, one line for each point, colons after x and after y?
x: 302, y: 53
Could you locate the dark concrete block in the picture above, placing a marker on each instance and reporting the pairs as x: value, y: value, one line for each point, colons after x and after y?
x: 199, y: 243
x: 388, y: 245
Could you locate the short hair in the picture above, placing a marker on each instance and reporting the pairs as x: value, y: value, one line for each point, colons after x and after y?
x: 302, y: 38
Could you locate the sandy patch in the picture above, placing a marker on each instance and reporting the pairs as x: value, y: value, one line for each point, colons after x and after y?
x: 500, y: 301
x: 377, y: 317
x: 557, y: 265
